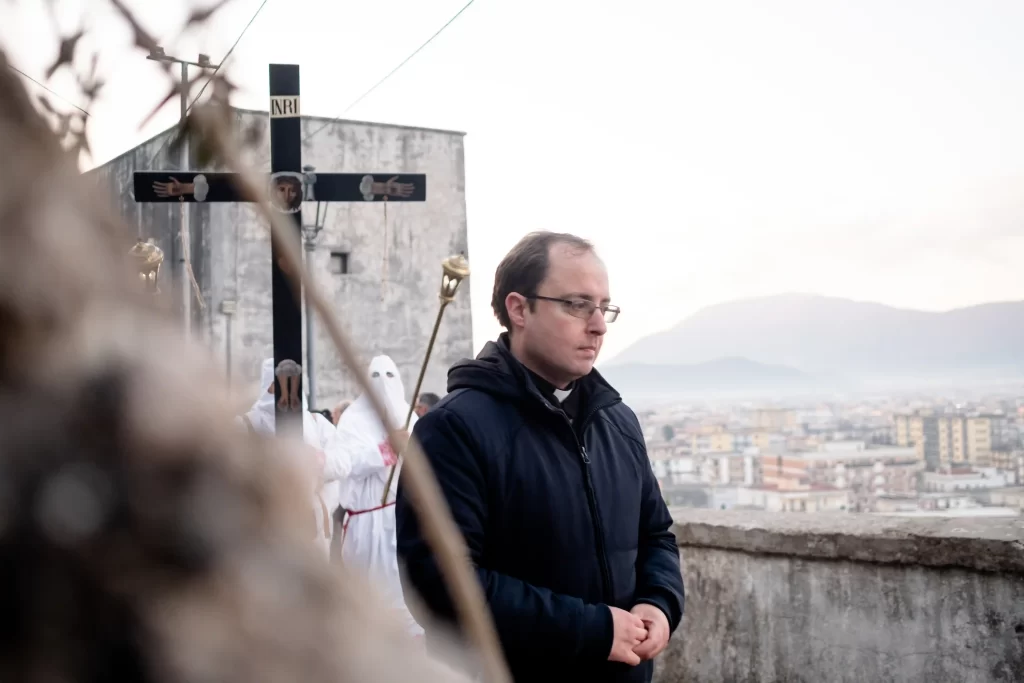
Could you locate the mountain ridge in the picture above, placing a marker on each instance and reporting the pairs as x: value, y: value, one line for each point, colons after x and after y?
x: 818, y: 334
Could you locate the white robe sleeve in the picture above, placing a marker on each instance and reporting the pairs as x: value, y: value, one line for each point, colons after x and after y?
x: 363, y: 454
x: 241, y: 424
x: 337, y: 463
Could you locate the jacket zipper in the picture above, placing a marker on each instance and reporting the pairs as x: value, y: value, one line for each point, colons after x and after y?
x: 602, y: 552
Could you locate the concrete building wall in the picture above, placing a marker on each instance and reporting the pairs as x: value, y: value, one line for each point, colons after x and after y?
x: 847, y: 598
x: 388, y: 297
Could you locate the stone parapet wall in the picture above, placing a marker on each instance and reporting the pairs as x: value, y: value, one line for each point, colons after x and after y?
x: 847, y: 597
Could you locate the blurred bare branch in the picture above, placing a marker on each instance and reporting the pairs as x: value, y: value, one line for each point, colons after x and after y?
x: 142, y: 37
x: 142, y: 537
x: 65, y: 53
x: 213, y: 125
x: 90, y: 84
x: 82, y: 279
x: 201, y: 16
x: 176, y: 89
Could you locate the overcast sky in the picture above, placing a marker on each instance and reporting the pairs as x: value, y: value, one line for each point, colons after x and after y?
x: 712, y: 150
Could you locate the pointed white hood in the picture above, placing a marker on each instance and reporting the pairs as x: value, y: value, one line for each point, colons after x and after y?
x: 361, y: 431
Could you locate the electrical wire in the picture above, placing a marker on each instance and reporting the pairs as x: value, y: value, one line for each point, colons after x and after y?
x: 47, y: 89
x: 389, y: 74
x: 210, y: 79
x: 226, y: 56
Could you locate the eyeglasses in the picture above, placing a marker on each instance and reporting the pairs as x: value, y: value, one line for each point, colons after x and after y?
x: 582, y: 308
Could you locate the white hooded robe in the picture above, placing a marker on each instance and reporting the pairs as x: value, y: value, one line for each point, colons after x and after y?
x: 370, y: 544
x: 317, y: 432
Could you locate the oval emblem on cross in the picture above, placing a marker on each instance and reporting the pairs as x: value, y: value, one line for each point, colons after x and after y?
x: 286, y: 191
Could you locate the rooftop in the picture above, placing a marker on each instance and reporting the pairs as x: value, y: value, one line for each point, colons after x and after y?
x: 260, y: 112
x: 378, y: 124
x: 803, y: 488
x: 960, y: 473
x: 865, y: 454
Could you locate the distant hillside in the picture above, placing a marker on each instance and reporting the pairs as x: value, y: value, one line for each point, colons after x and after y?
x: 816, y: 334
x: 720, y: 375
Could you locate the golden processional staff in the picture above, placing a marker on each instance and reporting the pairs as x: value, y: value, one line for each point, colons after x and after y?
x: 148, y: 259
x: 454, y: 270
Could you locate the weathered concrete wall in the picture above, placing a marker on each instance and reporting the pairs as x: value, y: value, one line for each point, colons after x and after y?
x: 842, y: 597
x: 388, y: 307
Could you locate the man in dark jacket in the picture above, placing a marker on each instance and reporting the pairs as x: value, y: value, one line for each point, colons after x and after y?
x: 546, y: 474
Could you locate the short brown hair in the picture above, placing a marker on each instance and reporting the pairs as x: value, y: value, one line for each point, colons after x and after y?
x: 525, y: 267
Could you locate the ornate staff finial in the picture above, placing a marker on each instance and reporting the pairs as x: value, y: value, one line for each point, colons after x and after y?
x: 454, y: 270
x: 148, y: 259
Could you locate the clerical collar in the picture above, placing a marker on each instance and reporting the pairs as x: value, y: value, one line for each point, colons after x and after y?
x: 562, y: 394
x: 567, y: 399
x: 549, y: 390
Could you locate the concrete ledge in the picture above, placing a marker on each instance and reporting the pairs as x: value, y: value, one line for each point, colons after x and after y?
x: 983, y: 544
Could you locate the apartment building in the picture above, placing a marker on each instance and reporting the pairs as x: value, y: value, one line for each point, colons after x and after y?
x: 981, y: 437
x: 775, y: 419
x: 949, y: 440
x: 864, y: 472
x: 809, y: 498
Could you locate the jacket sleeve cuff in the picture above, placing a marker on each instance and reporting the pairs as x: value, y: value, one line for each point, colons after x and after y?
x: 598, y: 631
x: 662, y: 604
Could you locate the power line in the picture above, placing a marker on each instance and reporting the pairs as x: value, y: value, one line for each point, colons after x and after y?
x: 47, y: 89
x: 237, y: 41
x: 210, y: 79
x: 390, y: 73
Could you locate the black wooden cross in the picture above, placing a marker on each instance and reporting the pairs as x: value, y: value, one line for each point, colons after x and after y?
x: 289, y: 187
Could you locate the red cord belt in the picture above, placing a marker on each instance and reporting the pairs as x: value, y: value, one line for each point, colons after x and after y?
x: 356, y: 513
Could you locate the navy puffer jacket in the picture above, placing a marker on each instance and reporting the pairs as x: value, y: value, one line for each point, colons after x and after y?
x: 560, y: 518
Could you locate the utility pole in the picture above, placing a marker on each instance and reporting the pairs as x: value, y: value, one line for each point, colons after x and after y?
x: 308, y: 310
x: 309, y: 238
x: 184, y: 234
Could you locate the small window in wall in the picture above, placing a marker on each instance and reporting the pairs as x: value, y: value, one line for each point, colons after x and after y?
x: 339, y: 263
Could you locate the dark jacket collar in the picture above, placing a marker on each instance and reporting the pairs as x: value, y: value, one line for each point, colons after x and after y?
x: 497, y: 372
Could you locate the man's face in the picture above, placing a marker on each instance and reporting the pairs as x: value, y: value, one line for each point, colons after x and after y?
x: 561, y: 346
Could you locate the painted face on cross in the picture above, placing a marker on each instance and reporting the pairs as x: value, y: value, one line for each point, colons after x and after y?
x: 287, y: 193
x: 559, y: 341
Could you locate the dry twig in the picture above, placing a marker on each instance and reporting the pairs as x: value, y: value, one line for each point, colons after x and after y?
x: 142, y: 537
x: 424, y: 492
x: 215, y: 142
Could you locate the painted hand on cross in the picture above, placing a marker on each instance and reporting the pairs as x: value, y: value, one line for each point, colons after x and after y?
x: 393, y: 188
x: 173, y: 188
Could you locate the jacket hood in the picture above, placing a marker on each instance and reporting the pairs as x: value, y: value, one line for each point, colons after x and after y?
x: 497, y: 372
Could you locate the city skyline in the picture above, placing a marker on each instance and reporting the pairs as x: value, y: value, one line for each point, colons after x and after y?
x: 931, y: 456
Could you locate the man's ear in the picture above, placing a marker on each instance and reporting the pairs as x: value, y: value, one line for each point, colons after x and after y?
x: 516, y: 305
